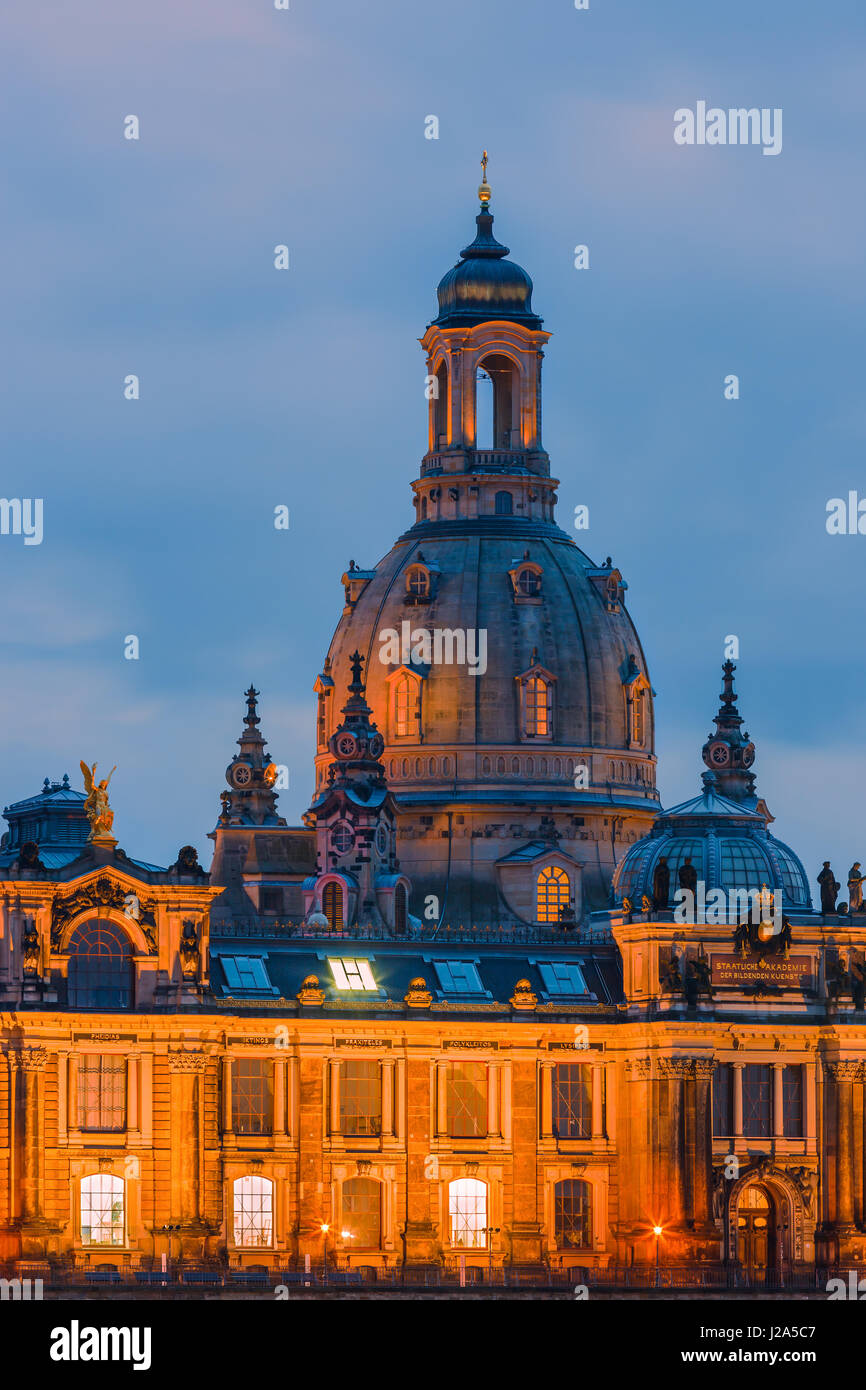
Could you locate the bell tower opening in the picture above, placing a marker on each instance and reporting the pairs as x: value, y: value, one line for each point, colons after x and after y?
x: 495, y: 396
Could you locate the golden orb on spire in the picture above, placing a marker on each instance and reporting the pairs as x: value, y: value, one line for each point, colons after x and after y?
x: 484, y: 193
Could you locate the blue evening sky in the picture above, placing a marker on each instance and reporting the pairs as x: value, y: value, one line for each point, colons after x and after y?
x: 306, y: 127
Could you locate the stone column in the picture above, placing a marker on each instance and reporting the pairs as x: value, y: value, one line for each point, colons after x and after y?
x: 703, y: 1169
x: 280, y: 1096
x: 314, y: 1204
x: 28, y: 1064
x: 186, y: 1072
x: 132, y: 1115
x: 738, y: 1099
x: 844, y: 1075
x: 421, y: 1236
x: 387, y: 1083
x: 809, y: 1093
x: 597, y: 1101
x: 778, y: 1102
x: 442, y: 1099
x: 493, y: 1100
x: 75, y: 1118
x: 547, y: 1100
x: 335, y: 1126
x: 525, y: 1231
x: 671, y: 1158
x: 227, y: 1097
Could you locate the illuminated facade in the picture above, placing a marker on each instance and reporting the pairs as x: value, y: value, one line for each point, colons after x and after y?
x: 289, y: 1058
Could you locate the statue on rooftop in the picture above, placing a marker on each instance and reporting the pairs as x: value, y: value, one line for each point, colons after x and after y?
x: 661, y: 885
x: 688, y: 875
x: 99, y: 813
x: 829, y: 889
x: 855, y: 887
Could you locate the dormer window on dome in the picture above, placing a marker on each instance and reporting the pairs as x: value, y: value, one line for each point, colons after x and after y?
x: 636, y: 689
x: 526, y: 577
x: 535, y: 702
x: 421, y: 580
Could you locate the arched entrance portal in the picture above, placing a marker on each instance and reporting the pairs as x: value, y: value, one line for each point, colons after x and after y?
x: 756, y: 1233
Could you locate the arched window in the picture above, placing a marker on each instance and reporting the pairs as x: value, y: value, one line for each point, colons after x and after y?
x: 423, y: 508
x: 253, y: 1210
x: 440, y: 409
x: 417, y: 582
x: 362, y: 1214
x: 529, y: 583
x: 400, y: 909
x: 404, y: 707
x: 467, y: 1211
x: 573, y: 1214
x: 332, y: 905
x: 101, y: 970
x: 495, y: 397
x: 102, y: 1210
x: 553, y: 888
x: 536, y: 707
x: 321, y: 734
x: 638, y: 718
x: 503, y: 504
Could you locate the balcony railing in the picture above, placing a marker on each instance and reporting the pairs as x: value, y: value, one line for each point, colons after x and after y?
x: 493, y: 933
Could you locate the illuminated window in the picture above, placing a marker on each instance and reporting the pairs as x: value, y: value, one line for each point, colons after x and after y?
x: 332, y: 905
x: 553, y: 891
x: 101, y: 971
x: 253, y: 1206
x: 573, y: 1214
x: 562, y: 977
x: 360, y: 1097
x: 252, y: 1095
x: 102, y: 1210
x: 352, y: 974
x: 467, y: 1211
x: 417, y: 582
x: 536, y: 707
x: 404, y: 707
x: 362, y: 1213
x: 466, y: 1098
x: 101, y: 1093
x: 572, y: 1101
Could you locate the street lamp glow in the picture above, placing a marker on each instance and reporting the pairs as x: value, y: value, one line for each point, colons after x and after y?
x: 324, y: 1228
x: 657, y: 1230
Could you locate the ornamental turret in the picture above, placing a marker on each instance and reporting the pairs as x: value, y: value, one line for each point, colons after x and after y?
x: 729, y: 752
x: 251, y: 776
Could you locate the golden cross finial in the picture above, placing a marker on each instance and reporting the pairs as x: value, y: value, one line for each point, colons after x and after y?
x: 484, y: 187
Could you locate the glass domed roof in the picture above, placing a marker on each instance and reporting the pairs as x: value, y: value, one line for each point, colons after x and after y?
x: 727, y: 839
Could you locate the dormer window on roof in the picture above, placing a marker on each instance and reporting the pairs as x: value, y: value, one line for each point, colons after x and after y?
x: 352, y: 974
x: 246, y: 973
x: 459, y: 977
x: 563, y: 978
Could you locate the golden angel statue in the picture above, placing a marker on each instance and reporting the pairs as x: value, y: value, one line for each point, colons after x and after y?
x: 99, y: 813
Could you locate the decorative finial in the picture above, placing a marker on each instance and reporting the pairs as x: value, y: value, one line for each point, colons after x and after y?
x: 484, y: 192
x: 252, y: 718
x: 356, y: 661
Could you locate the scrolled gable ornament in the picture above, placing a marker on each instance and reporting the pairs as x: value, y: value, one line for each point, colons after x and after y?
x: 102, y: 892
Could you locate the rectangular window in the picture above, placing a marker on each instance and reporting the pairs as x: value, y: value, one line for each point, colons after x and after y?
x: 562, y: 977
x: 467, y: 1100
x: 723, y: 1100
x: 271, y: 899
x: 352, y: 974
x: 245, y: 972
x: 792, y: 1102
x: 757, y: 1101
x: 572, y: 1101
x: 360, y: 1098
x: 459, y: 977
x: 102, y: 1210
x: 252, y: 1095
x: 101, y: 1093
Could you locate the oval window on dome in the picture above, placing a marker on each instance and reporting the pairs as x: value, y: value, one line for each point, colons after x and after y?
x: 529, y: 583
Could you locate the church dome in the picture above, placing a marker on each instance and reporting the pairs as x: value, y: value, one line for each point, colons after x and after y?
x: 724, y: 831
x: 503, y: 670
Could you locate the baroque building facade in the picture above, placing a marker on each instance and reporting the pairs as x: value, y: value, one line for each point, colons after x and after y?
x: 287, y: 1062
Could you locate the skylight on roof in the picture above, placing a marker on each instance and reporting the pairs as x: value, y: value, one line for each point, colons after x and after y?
x: 459, y: 977
x: 562, y: 977
x: 245, y: 972
x: 351, y: 974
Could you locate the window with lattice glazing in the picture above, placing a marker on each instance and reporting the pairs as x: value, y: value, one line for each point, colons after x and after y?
x: 252, y: 1095
x: 360, y: 1097
x: 101, y: 1093
x: 467, y: 1100
x: 572, y: 1101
